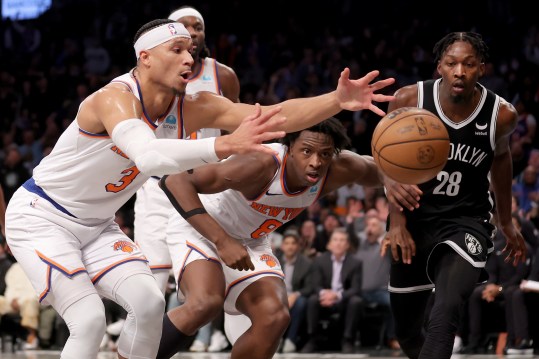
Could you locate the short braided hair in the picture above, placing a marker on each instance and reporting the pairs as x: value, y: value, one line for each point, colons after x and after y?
x: 473, y: 38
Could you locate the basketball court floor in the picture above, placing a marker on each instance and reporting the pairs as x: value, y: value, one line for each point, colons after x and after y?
x: 379, y: 354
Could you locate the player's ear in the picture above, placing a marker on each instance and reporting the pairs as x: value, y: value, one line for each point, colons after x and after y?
x: 481, y: 69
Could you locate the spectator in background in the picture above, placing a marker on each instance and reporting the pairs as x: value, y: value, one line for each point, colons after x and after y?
x: 534, y: 159
x: 493, y: 81
x: 375, y: 269
x: 20, y: 298
x: 516, y: 312
x: 503, y: 277
x: 350, y: 190
x: 523, y: 136
x: 526, y: 190
x: 31, y: 150
x: 530, y: 288
x: 527, y: 225
x: 13, y: 173
x: 337, y: 277
x: 323, y: 233
x: 355, y: 214
x: 96, y: 57
x: 5, y: 263
x: 297, y: 271
x: 307, y: 232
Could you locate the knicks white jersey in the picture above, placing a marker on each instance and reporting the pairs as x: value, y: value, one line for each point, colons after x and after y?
x: 207, y: 79
x: 88, y: 175
x: 255, y: 218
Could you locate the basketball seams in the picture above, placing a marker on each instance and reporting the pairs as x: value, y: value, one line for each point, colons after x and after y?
x: 398, y: 157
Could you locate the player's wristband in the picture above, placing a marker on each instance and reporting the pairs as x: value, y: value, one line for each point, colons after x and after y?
x: 185, y: 214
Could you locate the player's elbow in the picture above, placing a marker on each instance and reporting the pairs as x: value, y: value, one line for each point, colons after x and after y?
x: 152, y: 163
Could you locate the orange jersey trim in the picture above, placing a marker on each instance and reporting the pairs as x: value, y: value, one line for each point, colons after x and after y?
x: 197, y: 249
x: 48, y: 288
x: 283, y: 181
x: 279, y: 164
x: 67, y: 272
x: 52, y: 264
x: 100, y: 275
x: 199, y: 73
x: 217, y: 82
x: 161, y: 266
x: 95, y: 136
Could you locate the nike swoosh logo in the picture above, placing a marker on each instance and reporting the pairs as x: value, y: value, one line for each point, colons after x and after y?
x: 272, y: 194
x: 480, y: 127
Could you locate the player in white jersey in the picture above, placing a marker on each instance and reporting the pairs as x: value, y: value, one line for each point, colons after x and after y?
x: 152, y: 208
x: 229, y: 209
x: 59, y: 224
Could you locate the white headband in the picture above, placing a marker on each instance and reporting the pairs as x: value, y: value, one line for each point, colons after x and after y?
x: 186, y: 11
x: 159, y: 35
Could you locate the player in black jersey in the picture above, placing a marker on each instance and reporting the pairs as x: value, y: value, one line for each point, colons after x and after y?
x: 443, y: 238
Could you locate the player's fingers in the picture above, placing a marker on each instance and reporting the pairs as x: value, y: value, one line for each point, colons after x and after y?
x: 376, y: 110
x: 378, y: 97
x: 405, y: 253
x: 257, y: 112
x: 405, y: 200
x: 266, y: 136
x: 394, y: 252
x: 261, y: 127
x: 369, y: 77
x: 382, y: 83
x: 268, y: 114
x: 250, y: 265
x: 345, y: 74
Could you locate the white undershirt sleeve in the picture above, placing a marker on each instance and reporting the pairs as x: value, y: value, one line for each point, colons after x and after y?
x: 158, y: 156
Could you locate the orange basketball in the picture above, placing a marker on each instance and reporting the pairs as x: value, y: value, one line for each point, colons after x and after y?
x: 410, y: 145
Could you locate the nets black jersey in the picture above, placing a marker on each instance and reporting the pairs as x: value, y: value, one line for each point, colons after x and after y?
x: 462, y: 186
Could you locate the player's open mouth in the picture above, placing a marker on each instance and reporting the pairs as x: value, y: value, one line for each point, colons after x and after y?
x: 185, y: 75
x: 313, y: 177
x: 458, y: 87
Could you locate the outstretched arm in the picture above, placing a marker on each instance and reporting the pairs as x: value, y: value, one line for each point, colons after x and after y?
x: 349, y: 167
x: 300, y: 113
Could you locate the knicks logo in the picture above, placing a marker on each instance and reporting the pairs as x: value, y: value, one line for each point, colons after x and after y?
x: 124, y: 246
x: 270, y: 260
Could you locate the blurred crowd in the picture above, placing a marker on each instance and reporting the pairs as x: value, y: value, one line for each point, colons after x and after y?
x: 50, y: 64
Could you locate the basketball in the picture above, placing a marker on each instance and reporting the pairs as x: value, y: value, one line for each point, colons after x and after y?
x: 410, y: 145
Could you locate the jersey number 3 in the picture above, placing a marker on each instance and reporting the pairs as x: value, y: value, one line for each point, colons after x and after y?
x: 129, y: 176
